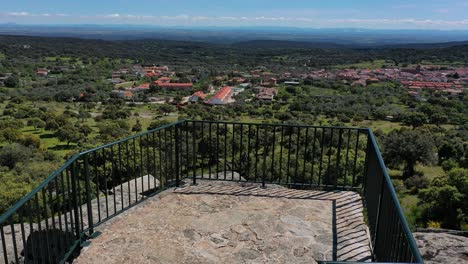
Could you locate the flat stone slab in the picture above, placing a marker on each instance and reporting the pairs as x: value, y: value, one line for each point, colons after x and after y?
x: 234, y: 223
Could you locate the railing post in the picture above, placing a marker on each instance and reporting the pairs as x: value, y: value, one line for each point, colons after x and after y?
x: 194, y: 156
x: 74, y: 199
x: 379, y: 213
x: 88, y: 196
x: 366, y: 161
x: 177, y: 160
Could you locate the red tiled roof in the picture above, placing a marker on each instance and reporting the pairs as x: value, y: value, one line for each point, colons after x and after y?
x: 221, y: 94
x: 143, y: 86
x: 200, y: 94
x: 173, y: 85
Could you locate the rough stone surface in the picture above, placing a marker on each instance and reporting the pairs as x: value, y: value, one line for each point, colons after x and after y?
x: 233, y: 223
x: 442, y: 248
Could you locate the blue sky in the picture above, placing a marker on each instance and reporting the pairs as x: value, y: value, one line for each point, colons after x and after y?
x: 396, y: 14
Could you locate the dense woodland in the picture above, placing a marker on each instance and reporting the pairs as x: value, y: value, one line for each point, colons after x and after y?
x: 42, y: 123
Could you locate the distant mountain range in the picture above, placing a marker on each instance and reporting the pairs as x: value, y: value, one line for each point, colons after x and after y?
x: 241, y: 36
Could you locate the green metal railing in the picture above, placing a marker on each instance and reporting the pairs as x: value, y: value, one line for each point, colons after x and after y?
x: 52, y: 222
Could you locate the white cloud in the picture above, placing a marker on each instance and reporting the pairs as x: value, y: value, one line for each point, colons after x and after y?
x: 401, y: 21
x: 18, y: 14
x: 183, y: 19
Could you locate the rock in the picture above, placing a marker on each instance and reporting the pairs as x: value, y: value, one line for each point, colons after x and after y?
x: 442, y: 248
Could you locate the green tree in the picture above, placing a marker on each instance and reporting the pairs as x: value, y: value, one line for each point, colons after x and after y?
x: 408, y: 147
x: 14, y: 153
x: 12, y: 82
x: 51, y: 125
x: 415, y: 119
x: 36, y: 123
x: 85, y: 130
x: 69, y: 134
x: 446, y: 199
x: 137, y: 127
x: 167, y: 108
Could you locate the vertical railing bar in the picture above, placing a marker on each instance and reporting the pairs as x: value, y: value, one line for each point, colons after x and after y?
x: 44, y: 203
x: 155, y: 170
x: 51, y: 199
x: 273, y: 148
x: 338, y: 158
x: 290, y: 131
x: 23, y: 231
x: 57, y: 239
x: 330, y: 150
x: 202, y: 157
x: 127, y: 163
x: 241, y: 144
x: 48, y: 192
x: 225, y: 149
x: 313, y: 157
x: 168, y: 155
x: 217, y: 151
x: 13, y: 237
x: 31, y: 226
x: 97, y: 186
x: 88, y: 195
x: 104, y: 169
x: 64, y: 209
x: 63, y: 213
x: 249, y: 131
x: 321, y: 157
x: 177, y: 154
x: 296, y: 175
x: 280, y: 174
x: 187, y: 160
x: 265, y: 150
x: 39, y: 227
x: 142, y: 170
x: 347, y: 159
x: 113, y: 168
x: 79, y: 190
x: 122, y: 177
x: 233, y: 152
x: 194, y: 156
x: 135, y: 180
x: 306, y: 147
x: 379, y: 211
x: 172, y: 154
x: 72, y: 207
x: 161, y: 182
x: 2, y: 236
x: 366, y: 158
x: 256, y: 153
x: 209, y: 150
x: 355, y: 158
x: 148, y: 180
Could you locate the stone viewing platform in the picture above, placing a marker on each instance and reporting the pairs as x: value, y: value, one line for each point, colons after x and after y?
x: 216, y: 222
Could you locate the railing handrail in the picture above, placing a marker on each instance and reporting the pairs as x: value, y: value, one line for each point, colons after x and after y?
x: 52, y: 177
x: 401, y: 216
x: 276, y: 125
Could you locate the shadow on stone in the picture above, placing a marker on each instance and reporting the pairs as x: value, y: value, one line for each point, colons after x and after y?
x: 59, y: 242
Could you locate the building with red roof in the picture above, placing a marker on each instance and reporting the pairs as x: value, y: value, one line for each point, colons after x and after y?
x: 197, y: 96
x: 221, y: 97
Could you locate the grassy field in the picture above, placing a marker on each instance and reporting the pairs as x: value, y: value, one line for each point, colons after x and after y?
x: 53, y: 59
x: 317, y: 91
x: 376, y: 64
